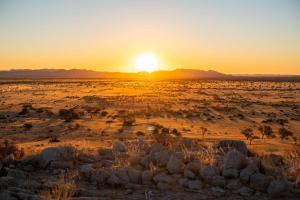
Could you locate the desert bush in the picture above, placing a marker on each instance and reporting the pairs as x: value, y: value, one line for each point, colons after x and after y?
x: 140, y: 133
x: 266, y: 131
x: 284, y: 133
x: 248, y: 133
x: 128, y: 120
x: 64, y: 189
x: 68, y: 114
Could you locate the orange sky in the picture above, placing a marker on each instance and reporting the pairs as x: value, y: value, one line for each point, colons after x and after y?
x: 233, y: 37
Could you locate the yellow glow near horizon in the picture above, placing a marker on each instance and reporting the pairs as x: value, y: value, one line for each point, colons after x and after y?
x: 146, y: 62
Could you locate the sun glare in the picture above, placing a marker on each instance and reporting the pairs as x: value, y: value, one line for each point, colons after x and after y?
x: 146, y: 62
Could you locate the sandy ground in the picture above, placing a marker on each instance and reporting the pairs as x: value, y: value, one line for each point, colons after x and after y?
x: 223, y: 107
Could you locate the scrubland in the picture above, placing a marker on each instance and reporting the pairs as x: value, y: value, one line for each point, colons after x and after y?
x: 126, y: 139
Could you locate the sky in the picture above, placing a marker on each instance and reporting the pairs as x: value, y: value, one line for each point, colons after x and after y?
x: 229, y: 36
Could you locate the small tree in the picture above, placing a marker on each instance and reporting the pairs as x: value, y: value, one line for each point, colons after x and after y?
x: 203, y: 130
x: 248, y: 133
x: 266, y: 131
x: 284, y: 133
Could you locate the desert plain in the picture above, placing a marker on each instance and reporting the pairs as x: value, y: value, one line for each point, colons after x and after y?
x: 145, y: 139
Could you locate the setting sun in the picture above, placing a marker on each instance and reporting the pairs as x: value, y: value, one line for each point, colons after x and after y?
x: 146, y: 62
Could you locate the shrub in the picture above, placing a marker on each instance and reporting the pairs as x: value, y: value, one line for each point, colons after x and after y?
x: 266, y: 131
x: 284, y: 133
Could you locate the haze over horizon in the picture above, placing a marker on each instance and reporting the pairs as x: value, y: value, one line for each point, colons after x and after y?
x: 232, y: 37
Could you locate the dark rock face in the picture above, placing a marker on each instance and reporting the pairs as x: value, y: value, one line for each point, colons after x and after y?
x: 279, y: 188
x: 56, y: 157
x: 259, y: 182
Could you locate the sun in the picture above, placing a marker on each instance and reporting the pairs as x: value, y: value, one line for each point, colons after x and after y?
x: 145, y: 62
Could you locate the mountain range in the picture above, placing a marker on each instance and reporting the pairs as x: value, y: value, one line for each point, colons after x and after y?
x: 175, y: 74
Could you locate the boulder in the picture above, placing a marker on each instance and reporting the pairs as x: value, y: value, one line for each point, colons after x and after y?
x: 272, y: 165
x: 60, y: 157
x: 217, y: 191
x: 119, y: 146
x: 245, y: 191
x: 175, y: 165
x: 163, y: 186
x: 147, y: 176
x: 252, y: 167
x: 279, y: 188
x: 145, y: 161
x: 100, y: 176
x: 194, y: 184
x: 259, y: 181
x: 113, y: 180
x: 230, y: 173
x: 218, y: 181
x: 189, y: 174
x: 193, y: 166
x: 161, y: 158
x: 135, y: 176
x: 122, y: 174
x: 234, y: 160
x: 208, y: 173
x: 232, y: 144
x: 106, y: 153
x: 86, y: 171
x: 233, y: 184
x: 163, y: 177
x: 10, y: 159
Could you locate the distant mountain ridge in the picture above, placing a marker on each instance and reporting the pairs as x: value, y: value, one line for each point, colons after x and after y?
x: 175, y: 74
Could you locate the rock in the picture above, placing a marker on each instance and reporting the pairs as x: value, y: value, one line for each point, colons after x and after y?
x: 230, y: 173
x: 183, y: 182
x: 279, y: 188
x: 272, y: 165
x: 218, y: 181
x: 193, y: 166
x: 233, y: 184
x: 163, y: 186
x: 119, y: 146
x: 233, y: 144
x: 147, y: 176
x: 106, y: 153
x: 161, y: 158
x: 17, y: 174
x: 217, y: 191
x: 7, y: 181
x: 10, y: 159
x: 145, y: 161
x: 207, y: 173
x: 234, y: 160
x: 62, y: 164
x: 113, y: 180
x: 101, y: 176
x: 86, y: 171
x: 252, y: 167
x: 163, y: 177
x: 194, y: 184
x: 245, y: 191
x: 59, y: 156
x: 259, y: 181
x: 157, y: 147
x: 189, y: 174
x: 122, y: 174
x: 175, y: 165
x: 135, y: 176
